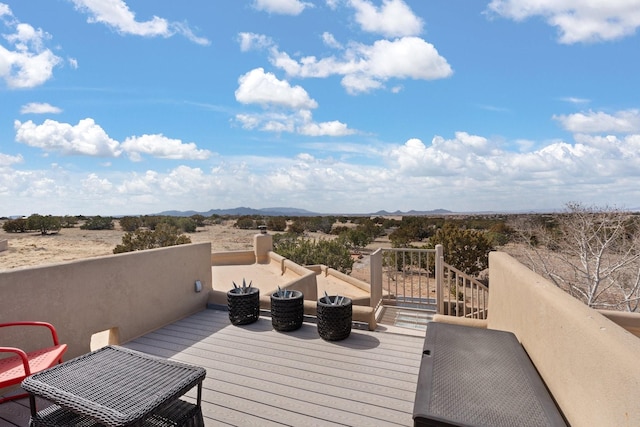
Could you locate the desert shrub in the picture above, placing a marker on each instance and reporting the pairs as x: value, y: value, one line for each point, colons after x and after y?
x: 188, y: 225
x: 320, y: 223
x: 130, y: 223
x: 215, y: 219
x: 357, y: 238
x: 297, y: 226
x: 98, y: 223
x: 333, y: 253
x: 68, y: 221
x: 277, y: 223
x: 466, y: 250
x: 413, y: 229
x: 245, y: 223
x: 164, y: 235
x: 43, y: 223
x: 199, y: 220
x: 339, y: 229
x: 18, y: 225
x: 151, y: 221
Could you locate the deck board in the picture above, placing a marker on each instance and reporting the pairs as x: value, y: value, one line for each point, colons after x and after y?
x: 258, y: 376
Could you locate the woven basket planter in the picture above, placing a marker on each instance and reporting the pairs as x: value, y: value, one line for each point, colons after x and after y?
x: 334, y: 321
x: 243, y: 308
x: 287, y: 313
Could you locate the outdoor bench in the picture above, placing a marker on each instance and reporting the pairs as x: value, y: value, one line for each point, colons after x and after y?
x: 471, y: 376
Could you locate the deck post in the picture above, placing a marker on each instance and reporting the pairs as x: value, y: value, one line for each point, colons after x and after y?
x: 375, y: 264
x: 439, y: 278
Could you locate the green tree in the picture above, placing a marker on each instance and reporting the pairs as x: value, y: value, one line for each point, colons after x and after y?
x: 18, y: 225
x: 357, y: 238
x: 277, y: 223
x: 68, y: 221
x: 98, y: 223
x: 43, y: 224
x: 188, y: 225
x: 298, y: 226
x: 130, y: 223
x: 199, y: 219
x: 245, y: 223
x: 333, y: 253
x: 466, y: 250
x: 164, y: 235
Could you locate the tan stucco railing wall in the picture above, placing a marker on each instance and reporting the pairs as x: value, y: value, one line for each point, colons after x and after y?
x: 589, y: 363
x: 135, y: 292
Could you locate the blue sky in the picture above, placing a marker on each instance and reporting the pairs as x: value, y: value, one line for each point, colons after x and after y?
x: 116, y: 107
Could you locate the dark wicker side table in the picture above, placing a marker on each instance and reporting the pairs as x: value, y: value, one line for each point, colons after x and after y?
x: 116, y: 387
x: 244, y: 308
x: 287, y: 312
x: 334, y: 321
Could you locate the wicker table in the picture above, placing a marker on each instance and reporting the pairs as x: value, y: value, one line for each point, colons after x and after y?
x: 479, y: 377
x: 115, y: 386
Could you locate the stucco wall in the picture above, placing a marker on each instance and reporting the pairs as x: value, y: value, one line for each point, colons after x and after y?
x: 135, y: 292
x: 589, y: 363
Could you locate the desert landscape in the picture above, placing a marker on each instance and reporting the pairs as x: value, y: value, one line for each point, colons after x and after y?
x: 32, y: 248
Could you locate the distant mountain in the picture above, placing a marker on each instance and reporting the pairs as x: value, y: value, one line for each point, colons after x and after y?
x: 284, y: 211
x: 415, y: 213
x: 245, y: 211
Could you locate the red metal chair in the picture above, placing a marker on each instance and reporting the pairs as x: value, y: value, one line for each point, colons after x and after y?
x: 16, y: 368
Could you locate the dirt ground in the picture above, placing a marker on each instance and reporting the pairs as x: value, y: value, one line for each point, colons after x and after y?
x: 30, y: 249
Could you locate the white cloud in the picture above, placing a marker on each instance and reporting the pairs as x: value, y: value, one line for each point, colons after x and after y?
x: 86, y: 138
x: 5, y: 10
x: 117, y: 15
x: 577, y: 20
x: 575, y: 100
x: 251, y: 41
x: 258, y: 87
x: 89, y: 139
x: 8, y: 160
x: 186, y: 31
x: 283, y: 7
x: 368, y: 67
x: 331, y: 41
x: 300, y: 122
x: 394, y: 18
x: 39, y: 108
x: 95, y: 185
x: 162, y: 147
x: 626, y: 121
x: 332, y: 4
x: 26, y: 63
x: 480, y: 172
x: 333, y: 128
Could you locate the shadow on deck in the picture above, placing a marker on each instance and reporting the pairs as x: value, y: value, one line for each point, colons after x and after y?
x: 258, y: 376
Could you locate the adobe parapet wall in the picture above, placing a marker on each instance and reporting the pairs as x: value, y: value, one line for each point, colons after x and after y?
x: 589, y: 363
x: 133, y: 293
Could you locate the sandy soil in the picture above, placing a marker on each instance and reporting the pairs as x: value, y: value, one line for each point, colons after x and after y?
x: 29, y: 249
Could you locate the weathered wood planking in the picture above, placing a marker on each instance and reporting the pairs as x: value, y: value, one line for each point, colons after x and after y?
x: 258, y: 376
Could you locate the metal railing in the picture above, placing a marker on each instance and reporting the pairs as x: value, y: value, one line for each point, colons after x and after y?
x: 462, y: 295
x: 419, y: 278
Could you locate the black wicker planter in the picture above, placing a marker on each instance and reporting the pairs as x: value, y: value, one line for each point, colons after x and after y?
x: 287, y: 313
x: 243, y: 308
x: 334, y: 321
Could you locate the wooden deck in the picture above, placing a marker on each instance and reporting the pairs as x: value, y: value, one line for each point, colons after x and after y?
x: 257, y: 376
